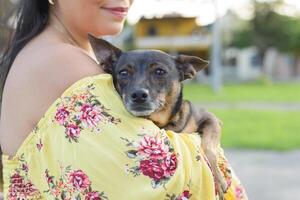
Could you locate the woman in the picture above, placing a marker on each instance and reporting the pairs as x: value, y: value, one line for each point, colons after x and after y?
x: 65, y: 133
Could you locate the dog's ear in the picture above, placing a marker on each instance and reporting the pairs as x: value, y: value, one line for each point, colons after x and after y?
x: 188, y: 66
x: 106, y: 53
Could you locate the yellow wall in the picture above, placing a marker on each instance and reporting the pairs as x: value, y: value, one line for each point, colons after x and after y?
x: 173, y: 26
x: 167, y: 26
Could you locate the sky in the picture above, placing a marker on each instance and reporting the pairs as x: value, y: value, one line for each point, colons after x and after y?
x: 202, y: 9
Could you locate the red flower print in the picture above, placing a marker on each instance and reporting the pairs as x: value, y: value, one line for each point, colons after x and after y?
x: 155, y: 157
x: 79, y: 180
x: 25, y: 167
x: 185, y: 195
x: 62, y: 114
x: 90, y: 115
x: 169, y: 165
x: 16, y: 179
x: 83, y: 97
x: 49, y: 178
x: 153, y: 147
x: 93, y: 196
x: 73, y: 131
x: 152, y: 168
x: 20, y: 188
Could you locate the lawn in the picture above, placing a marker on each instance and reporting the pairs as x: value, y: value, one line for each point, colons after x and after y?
x: 276, y: 130
x: 275, y: 93
x: 254, y: 128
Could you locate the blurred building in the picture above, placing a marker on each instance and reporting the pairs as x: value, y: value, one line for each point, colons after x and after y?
x: 174, y: 34
x: 241, y: 65
x: 246, y: 64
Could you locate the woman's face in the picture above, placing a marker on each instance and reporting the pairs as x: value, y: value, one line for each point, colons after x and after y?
x: 98, y: 17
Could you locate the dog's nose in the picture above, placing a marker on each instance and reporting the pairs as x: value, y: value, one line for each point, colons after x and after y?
x: 140, y: 96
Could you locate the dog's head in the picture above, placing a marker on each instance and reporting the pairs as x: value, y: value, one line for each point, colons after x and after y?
x: 148, y: 81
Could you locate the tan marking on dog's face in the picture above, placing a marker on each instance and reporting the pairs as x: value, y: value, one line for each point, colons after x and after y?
x: 162, y: 116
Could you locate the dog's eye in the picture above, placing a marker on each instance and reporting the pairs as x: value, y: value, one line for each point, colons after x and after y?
x: 123, y: 73
x: 160, y: 72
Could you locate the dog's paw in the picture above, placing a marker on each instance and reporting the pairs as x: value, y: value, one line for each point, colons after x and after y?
x: 220, y: 181
x: 221, y: 186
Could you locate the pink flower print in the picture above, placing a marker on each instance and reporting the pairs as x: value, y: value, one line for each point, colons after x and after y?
x: 79, y: 180
x: 39, y: 145
x: 90, y: 115
x: 82, y: 111
x: 238, y: 193
x: 73, y: 184
x: 169, y: 165
x: 73, y: 131
x: 153, y: 147
x: 93, y: 196
x: 62, y: 114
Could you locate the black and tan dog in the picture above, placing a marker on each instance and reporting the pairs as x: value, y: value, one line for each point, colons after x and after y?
x: 150, y: 84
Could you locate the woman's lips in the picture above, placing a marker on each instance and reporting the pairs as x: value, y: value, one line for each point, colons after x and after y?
x: 119, y: 12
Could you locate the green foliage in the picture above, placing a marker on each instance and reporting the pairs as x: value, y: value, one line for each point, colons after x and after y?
x: 294, y: 36
x: 269, y: 28
x: 242, y: 37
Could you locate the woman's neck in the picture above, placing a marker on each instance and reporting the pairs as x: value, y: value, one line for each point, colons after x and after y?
x: 68, y: 34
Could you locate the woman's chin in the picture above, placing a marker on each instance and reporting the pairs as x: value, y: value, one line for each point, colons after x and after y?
x: 112, y: 29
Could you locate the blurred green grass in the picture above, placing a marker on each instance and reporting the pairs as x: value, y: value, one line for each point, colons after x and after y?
x: 275, y: 130
x: 255, y: 92
x: 254, y: 128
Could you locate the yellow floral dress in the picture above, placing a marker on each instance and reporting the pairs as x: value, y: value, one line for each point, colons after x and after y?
x: 87, y: 146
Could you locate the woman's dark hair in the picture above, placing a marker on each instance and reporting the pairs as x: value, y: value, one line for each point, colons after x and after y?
x: 31, y: 18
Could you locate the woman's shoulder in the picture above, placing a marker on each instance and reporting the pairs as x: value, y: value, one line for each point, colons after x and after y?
x: 36, y: 79
x: 59, y: 57
x: 58, y: 62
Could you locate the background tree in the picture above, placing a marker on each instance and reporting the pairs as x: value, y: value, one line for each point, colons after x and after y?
x: 268, y: 28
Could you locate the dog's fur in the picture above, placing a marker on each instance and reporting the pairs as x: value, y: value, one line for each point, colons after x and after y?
x: 150, y: 84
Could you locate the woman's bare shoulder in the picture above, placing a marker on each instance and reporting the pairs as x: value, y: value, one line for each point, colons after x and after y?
x: 36, y: 79
x: 60, y: 63
x: 66, y: 61
x: 59, y: 66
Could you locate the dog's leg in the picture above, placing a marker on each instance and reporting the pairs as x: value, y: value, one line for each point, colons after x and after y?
x: 211, y: 132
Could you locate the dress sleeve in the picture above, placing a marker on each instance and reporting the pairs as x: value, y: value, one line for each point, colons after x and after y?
x: 87, y: 146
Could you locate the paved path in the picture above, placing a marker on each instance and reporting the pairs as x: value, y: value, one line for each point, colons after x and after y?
x: 267, y: 175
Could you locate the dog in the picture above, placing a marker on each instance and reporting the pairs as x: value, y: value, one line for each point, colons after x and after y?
x: 150, y: 84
